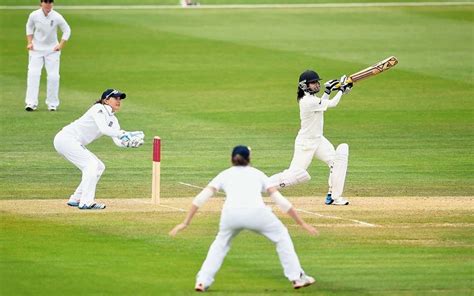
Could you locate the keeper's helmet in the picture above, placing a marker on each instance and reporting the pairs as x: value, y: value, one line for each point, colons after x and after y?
x: 305, y: 78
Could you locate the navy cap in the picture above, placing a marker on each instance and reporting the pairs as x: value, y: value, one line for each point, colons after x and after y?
x: 113, y: 93
x: 241, y: 150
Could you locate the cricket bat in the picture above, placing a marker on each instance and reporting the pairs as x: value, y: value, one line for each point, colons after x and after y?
x: 381, y: 66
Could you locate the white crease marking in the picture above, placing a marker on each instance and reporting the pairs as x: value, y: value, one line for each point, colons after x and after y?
x: 305, y: 211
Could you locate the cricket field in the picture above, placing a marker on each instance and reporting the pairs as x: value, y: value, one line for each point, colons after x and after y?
x: 205, y: 80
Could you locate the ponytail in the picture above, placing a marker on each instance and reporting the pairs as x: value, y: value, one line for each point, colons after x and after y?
x: 239, y: 160
x: 299, y: 94
x: 100, y: 101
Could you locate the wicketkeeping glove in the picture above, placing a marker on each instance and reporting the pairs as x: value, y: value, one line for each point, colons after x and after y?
x: 330, y: 85
x: 136, y: 142
x: 132, y: 139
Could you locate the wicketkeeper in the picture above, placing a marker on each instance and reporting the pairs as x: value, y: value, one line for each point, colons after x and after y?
x: 244, y: 209
x: 71, y: 143
x: 310, y: 142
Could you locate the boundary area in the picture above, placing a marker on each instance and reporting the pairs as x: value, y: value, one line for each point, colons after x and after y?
x: 243, y: 6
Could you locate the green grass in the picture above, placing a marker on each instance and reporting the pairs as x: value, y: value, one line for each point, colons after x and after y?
x: 130, y: 253
x: 206, y: 80
x: 175, y: 2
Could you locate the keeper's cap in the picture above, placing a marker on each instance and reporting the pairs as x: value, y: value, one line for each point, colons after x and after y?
x: 113, y: 93
x: 241, y: 150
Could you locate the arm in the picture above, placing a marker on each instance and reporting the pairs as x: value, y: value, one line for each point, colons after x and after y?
x: 99, y: 119
x: 286, y: 206
x: 63, y: 25
x: 30, y: 29
x: 29, y: 39
x: 335, y: 100
x: 198, y: 202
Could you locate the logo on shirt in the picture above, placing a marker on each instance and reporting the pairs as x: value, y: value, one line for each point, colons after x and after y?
x: 111, y: 123
x: 52, y: 23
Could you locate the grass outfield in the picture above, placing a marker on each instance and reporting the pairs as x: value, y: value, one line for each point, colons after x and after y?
x: 203, y: 2
x: 206, y: 80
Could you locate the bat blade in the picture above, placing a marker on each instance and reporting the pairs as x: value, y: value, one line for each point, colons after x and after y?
x: 381, y: 66
x: 378, y: 68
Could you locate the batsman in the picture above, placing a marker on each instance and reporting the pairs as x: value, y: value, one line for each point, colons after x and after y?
x: 310, y: 142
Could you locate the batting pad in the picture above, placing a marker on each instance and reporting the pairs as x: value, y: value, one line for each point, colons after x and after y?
x: 339, y: 170
x: 289, y: 178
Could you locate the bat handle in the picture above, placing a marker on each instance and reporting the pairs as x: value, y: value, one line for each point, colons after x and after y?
x: 349, y: 80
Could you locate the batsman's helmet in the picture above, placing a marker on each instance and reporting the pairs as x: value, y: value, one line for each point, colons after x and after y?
x: 305, y: 78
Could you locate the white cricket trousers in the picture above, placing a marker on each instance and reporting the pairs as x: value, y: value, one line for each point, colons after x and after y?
x: 260, y: 220
x: 38, y: 59
x: 91, y: 167
x: 306, y: 150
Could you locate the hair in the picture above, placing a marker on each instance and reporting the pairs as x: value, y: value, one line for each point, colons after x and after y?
x: 47, y: 1
x: 100, y: 101
x: 239, y: 160
x: 299, y: 94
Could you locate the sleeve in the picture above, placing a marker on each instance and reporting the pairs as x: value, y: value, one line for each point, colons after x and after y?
x: 100, y: 119
x: 281, y: 201
x: 64, y: 26
x: 30, y: 25
x: 217, y: 183
x: 335, y: 100
x: 202, y: 197
x: 116, y: 140
x: 266, y: 183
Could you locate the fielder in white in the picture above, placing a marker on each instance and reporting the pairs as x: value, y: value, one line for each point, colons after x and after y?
x: 70, y: 142
x: 244, y: 209
x: 44, y: 50
x: 310, y: 142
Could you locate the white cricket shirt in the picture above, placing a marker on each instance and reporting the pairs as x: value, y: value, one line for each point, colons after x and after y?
x: 99, y: 120
x: 312, y: 111
x: 312, y: 117
x: 45, y: 29
x: 243, y: 187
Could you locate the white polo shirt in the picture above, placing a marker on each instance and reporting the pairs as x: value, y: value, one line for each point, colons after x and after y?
x: 99, y: 120
x: 243, y: 186
x: 45, y: 29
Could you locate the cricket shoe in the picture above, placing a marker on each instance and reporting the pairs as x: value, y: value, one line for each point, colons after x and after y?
x: 200, y: 287
x: 30, y: 107
x: 303, y: 281
x: 329, y: 199
x: 73, y: 203
x: 340, y: 202
x: 52, y: 108
x: 94, y: 206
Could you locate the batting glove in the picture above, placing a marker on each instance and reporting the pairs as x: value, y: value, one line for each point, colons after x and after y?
x: 345, y: 85
x: 330, y: 85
